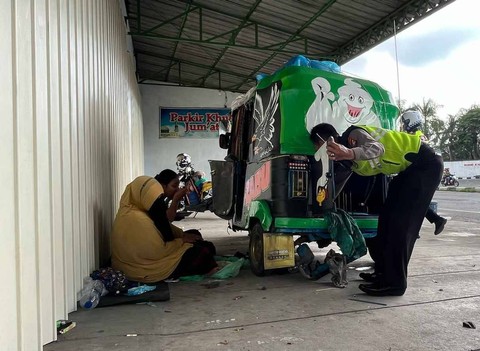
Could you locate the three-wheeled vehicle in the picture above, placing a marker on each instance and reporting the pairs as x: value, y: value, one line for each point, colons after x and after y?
x: 270, y: 182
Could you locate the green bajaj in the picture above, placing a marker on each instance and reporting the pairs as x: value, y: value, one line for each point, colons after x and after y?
x: 273, y: 184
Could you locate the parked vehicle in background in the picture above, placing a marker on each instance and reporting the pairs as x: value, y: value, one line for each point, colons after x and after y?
x: 199, y: 198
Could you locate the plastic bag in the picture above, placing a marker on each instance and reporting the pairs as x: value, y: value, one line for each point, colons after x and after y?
x: 115, y: 281
x: 191, y: 278
x: 230, y: 270
x: 229, y: 267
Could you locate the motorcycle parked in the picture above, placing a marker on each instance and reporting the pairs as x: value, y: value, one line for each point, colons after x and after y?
x: 199, y: 198
x: 449, y: 180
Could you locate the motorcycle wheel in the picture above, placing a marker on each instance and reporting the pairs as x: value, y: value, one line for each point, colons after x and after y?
x: 456, y: 183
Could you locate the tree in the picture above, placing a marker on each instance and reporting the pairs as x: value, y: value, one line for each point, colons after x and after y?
x: 465, y: 143
x: 447, y: 136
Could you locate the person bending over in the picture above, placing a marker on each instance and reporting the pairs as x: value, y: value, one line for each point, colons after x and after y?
x: 418, y: 172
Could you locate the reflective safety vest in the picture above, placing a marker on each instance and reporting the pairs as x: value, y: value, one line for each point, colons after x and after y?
x: 396, y: 145
x: 422, y: 136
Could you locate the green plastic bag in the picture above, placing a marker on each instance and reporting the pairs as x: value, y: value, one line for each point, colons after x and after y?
x: 230, y: 267
x: 191, y: 278
x: 346, y: 233
x: 230, y: 270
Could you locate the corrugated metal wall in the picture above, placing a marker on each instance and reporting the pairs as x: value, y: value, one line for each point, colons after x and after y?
x: 71, y: 138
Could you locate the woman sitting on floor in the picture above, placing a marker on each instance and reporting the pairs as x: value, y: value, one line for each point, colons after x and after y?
x: 145, y: 245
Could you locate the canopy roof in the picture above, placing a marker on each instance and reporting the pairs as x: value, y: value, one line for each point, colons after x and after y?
x: 223, y: 44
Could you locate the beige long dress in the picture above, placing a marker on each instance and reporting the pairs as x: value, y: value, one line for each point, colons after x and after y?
x: 138, y: 248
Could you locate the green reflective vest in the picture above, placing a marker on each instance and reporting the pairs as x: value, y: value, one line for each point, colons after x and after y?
x: 396, y: 144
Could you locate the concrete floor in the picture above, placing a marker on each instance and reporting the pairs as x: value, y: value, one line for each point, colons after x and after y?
x: 288, y: 312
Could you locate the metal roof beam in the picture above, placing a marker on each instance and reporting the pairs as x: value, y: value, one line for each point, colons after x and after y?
x: 233, y: 32
x: 299, y: 30
x: 221, y: 44
x: 238, y: 17
x: 180, y: 31
x: 176, y: 61
x: 184, y: 14
x: 234, y: 35
x: 246, y: 22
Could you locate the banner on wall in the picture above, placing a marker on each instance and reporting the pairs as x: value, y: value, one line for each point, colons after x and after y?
x: 180, y: 122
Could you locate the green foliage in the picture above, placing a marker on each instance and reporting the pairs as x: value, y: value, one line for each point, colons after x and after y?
x: 457, y: 138
x: 445, y: 143
x: 465, y: 142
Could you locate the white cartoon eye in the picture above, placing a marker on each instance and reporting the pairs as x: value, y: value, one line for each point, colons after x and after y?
x: 351, y: 97
x: 361, y: 99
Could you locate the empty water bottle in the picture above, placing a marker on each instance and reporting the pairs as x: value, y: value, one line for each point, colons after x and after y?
x: 91, y: 293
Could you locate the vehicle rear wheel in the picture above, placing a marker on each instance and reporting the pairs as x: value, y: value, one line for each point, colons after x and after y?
x: 256, y: 250
x: 456, y: 183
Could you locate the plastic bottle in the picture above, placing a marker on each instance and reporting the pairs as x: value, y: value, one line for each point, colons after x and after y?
x: 91, y: 293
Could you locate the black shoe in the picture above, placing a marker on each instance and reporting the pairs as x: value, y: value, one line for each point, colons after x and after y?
x: 381, y: 290
x: 439, y: 225
x: 370, y: 277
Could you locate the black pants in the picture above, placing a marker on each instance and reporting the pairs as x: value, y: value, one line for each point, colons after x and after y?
x: 408, y: 198
x: 197, y: 260
x: 432, y: 216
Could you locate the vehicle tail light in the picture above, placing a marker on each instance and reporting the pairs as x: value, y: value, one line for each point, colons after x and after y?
x: 298, y: 178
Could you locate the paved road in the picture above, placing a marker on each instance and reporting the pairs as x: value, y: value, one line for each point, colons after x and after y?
x: 459, y: 206
x: 469, y: 182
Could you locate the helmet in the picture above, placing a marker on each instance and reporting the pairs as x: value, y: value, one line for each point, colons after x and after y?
x: 184, y: 161
x: 411, y: 121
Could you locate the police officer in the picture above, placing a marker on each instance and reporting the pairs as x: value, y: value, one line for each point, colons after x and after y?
x: 419, y: 170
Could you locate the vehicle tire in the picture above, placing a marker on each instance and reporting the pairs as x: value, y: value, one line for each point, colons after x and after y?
x: 456, y: 183
x: 255, y: 250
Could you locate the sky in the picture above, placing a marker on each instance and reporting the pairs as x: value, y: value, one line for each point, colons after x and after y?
x: 438, y: 59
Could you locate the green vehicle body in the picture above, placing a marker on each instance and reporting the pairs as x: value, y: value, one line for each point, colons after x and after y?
x: 297, y: 95
x: 250, y: 185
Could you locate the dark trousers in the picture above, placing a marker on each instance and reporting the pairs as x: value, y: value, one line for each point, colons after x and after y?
x: 432, y: 216
x: 197, y: 260
x: 408, y: 198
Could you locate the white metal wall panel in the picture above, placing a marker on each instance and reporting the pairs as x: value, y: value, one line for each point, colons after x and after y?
x: 57, y: 170
x: 9, y: 301
x: 26, y: 194
x: 42, y: 169
x: 72, y: 138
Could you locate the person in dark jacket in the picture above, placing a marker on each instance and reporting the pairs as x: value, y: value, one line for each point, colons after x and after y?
x: 418, y: 172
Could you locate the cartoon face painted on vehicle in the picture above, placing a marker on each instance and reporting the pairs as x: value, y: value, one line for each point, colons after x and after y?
x: 354, y: 103
x: 353, y: 106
